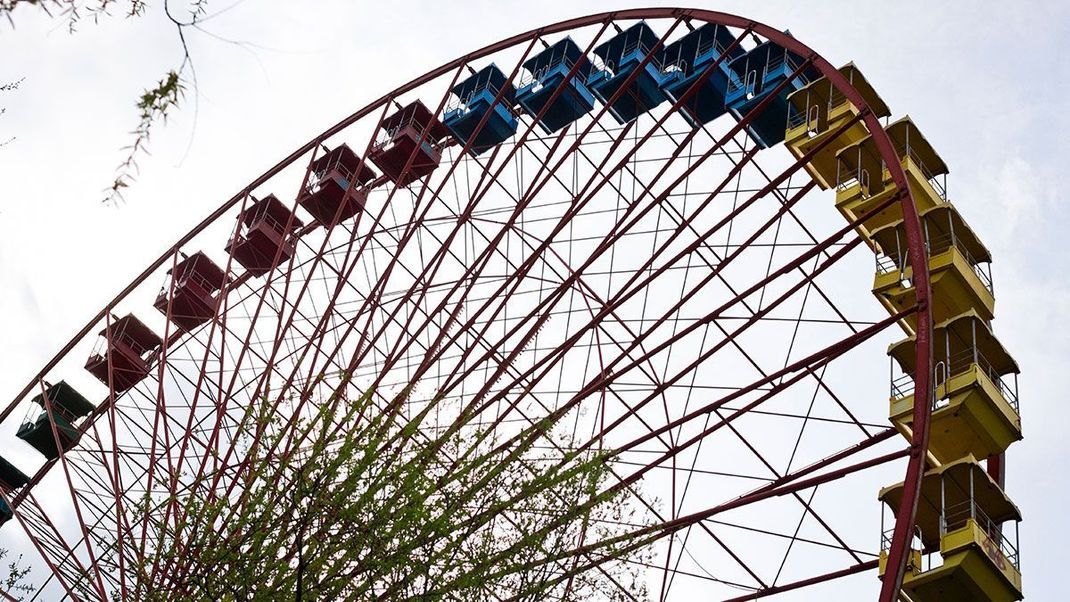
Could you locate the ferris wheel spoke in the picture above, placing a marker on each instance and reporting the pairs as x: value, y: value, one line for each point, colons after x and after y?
x: 819, y: 579
x: 171, y: 508
x: 218, y: 323
x: 818, y: 358
x: 679, y: 223
x: 638, y: 474
x: 802, y: 258
x: 822, y: 464
x: 122, y: 527
x: 604, y: 109
x: 617, y: 141
x: 574, y: 276
x: 807, y: 505
x: 814, y: 285
x: 383, y: 279
x: 669, y: 341
x: 826, y: 355
x: 515, y: 212
x: 644, y: 536
x: 280, y: 323
x: 52, y: 547
x: 490, y: 321
x: 755, y: 196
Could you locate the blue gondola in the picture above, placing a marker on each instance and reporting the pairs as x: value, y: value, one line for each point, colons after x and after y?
x: 475, y: 99
x: 622, y: 55
x: 687, y: 60
x: 757, y: 74
x: 548, y: 70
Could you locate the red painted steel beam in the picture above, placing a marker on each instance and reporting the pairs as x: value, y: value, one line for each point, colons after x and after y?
x: 646, y: 535
x: 787, y: 587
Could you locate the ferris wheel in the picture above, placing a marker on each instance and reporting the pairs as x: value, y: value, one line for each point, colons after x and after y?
x: 676, y: 244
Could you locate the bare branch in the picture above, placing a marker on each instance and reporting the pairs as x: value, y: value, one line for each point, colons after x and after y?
x: 156, y: 103
x: 9, y: 87
x: 154, y: 106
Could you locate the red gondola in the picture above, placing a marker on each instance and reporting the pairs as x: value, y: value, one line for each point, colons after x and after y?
x: 332, y: 175
x: 193, y: 284
x: 405, y: 140
x: 264, y: 236
x: 131, y: 347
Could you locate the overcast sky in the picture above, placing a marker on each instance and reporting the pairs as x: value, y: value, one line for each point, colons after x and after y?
x: 985, y: 81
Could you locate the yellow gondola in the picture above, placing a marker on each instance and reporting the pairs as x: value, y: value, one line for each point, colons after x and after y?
x: 975, y: 411
x: 961, y: 524
x: 960, y: 273
x: 817, y: 110
x: 863, y: 183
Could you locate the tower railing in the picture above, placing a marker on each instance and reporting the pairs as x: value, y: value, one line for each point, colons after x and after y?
x: 532, y: 77
x: 961, y: 361
x: 902, y: 386
x: 462, y: 103
x: 847, y: 178
x: 956, y: 516
x: 886, y: 264
x: 943, y: 242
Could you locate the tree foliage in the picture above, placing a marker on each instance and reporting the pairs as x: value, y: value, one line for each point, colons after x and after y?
x: 352, y: 500
x: 14, y: 577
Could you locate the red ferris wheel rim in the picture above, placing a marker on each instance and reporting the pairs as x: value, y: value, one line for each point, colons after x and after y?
x: 917, y: 250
